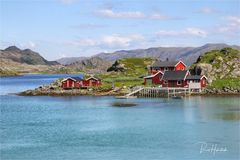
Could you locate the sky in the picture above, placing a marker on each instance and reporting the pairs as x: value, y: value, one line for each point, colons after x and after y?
x: 74, y: 28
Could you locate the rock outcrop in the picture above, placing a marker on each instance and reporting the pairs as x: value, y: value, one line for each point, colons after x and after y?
x: 218, y: 64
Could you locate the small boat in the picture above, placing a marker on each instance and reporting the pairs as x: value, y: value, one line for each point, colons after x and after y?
x: 177, y: 97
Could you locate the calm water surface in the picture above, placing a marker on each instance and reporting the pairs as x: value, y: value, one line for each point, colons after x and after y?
x: 52, y: 128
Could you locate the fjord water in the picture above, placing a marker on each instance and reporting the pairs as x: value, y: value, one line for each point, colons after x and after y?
x: 86, y: 127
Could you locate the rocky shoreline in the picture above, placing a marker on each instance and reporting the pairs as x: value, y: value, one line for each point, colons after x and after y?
x: 54, y: 89
x: 57, y: 91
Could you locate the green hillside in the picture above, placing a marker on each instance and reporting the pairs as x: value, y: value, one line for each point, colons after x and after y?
x: 222, y: 68
x: 127, y: 72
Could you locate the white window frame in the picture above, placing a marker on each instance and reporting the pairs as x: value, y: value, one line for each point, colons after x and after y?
x: 178, y: 83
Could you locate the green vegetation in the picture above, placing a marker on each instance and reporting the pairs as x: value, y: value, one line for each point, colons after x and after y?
x: 7, y: 72
x: 227, y: 53
x: 221, y: 67
x: 223, y: 83
x: 131, y: 75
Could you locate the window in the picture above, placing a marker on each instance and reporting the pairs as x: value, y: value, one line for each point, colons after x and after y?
x: 165, y: 82
x: 166, y: 68
x: 179, y: 82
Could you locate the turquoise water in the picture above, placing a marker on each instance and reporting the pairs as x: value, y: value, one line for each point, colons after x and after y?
x: 52, y: 128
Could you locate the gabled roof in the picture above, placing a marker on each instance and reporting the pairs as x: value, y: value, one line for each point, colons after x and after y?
x: 166, y: 63
x: 174, y: 75
x: 73, y: 78
x: 77, y: 78
x: 93, y: 78
x: 195, y: 77
x: 153, y: 75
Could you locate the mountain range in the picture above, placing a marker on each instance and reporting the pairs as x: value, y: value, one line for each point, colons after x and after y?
x: 14, y: 60
x: 188, y: 54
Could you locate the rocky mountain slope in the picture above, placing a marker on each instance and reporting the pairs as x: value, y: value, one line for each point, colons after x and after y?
x: 70, y: 60
x: 187, y: 54
x: 26, y: 56
x: 92, y: 65
x: 218, y: 64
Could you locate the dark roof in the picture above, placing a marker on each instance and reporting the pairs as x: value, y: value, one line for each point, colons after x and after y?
x: 164, y: 64
x: 174, y: 75
x: 77, y: 78
x: 194, y: 77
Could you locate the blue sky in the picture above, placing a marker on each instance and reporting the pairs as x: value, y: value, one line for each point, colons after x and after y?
x: 66, y: 28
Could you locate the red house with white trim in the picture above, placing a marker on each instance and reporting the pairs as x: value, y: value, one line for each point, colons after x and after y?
x: 167, y: 66
x: 173, y: 74
x: 72, y: 82
x: 92, y: 81
x: 175, y: 78
x: 154, y: 78
x: 77, y: 82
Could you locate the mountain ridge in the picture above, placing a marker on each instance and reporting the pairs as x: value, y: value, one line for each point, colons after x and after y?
x: 26, y: 56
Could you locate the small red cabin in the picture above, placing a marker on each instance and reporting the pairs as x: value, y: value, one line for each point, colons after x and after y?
x: 167, y: 66
x: 92, y: 81
x: 72, y: 82
x: 153, y: 79
x: 77, y: 82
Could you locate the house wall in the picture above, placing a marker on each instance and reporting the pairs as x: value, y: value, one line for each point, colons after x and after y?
x: 68, y: 83
x: 172, y: 83
x: 180, y: 66
x: 157, y: 79
x: 92, y: 82
x: 203, y: 82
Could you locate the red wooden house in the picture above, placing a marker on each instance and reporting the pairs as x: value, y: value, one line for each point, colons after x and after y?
x: 77, y: 82
x: 167, y: 66
x: 153, y: 79
x: 92, y: 81
x: 173, y: 74
x: 175, y: 78
x: 72, y: 82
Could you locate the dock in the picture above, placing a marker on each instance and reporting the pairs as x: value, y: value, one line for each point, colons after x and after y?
x: 154, y: 92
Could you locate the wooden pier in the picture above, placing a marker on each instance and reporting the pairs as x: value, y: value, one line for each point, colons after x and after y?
x: 154, y: 92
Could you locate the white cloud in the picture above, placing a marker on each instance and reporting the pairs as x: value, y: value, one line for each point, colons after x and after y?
x: 29, y: 44
x: 207, y: 10
x: 186, y: 32
x: 88, y: 26
x: 82, y: 43
x: 232, y: 25
x: 111, y: 14
x: 159, y: 16
x: 120, y: 41
x: 108, y: 41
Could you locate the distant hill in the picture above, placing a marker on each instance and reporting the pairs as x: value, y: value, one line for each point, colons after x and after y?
x: 91, y: 65
x: 69, y: 60
x: 188, y: 54
x: 26, y: 56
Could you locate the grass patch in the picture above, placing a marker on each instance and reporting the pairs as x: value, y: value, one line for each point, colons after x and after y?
x: 221, y: 83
